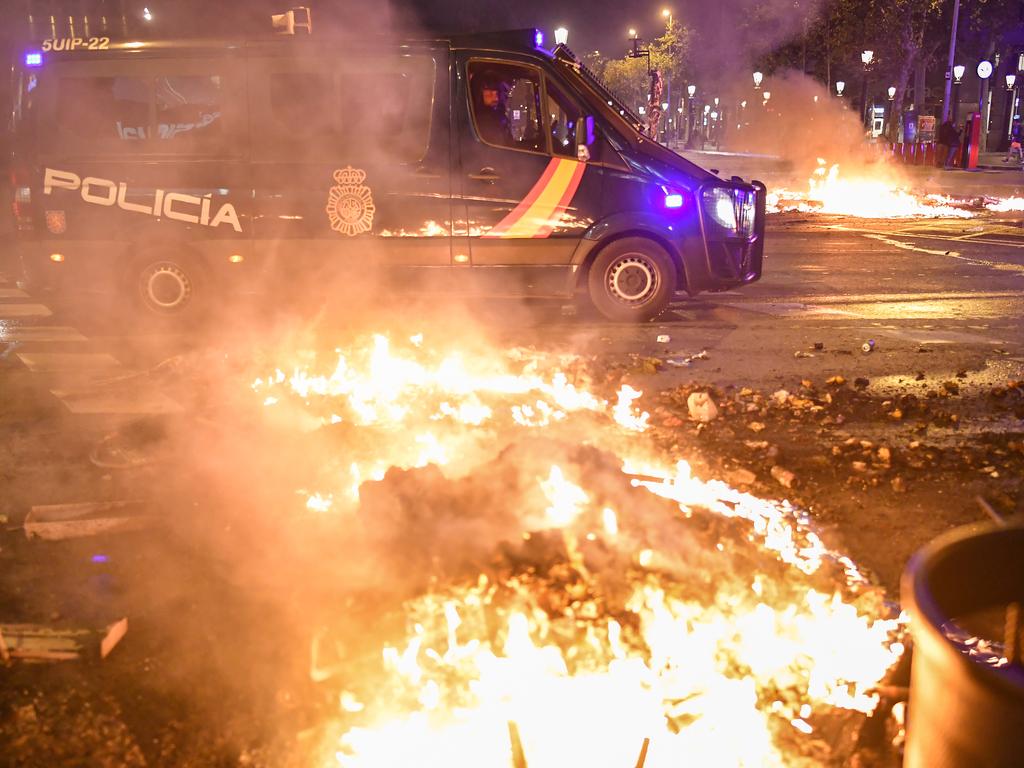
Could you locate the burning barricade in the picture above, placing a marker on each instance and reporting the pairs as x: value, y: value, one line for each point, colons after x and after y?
x: 547, y: 589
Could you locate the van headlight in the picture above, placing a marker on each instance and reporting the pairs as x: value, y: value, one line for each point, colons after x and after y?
x: 732, y: 208
x: 721, y: 206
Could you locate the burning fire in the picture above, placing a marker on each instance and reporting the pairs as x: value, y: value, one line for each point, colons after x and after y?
x: 870, y: 198
x: 669, y: 613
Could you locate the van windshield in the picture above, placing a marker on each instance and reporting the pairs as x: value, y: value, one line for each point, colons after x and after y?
x: 594, y: 84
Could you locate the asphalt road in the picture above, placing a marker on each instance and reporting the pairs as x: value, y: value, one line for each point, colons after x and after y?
x: 938, y: 299
x: 955, y: 287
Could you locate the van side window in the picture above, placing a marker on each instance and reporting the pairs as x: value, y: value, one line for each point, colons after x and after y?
x: 506, y: 107
x: 105, y: 108
x: 563, y: 116
x: 188, y: 107
x: 301, y: 104
x: 386, y: 105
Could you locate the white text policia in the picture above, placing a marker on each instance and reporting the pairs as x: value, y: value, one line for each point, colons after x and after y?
x: 177, y: 206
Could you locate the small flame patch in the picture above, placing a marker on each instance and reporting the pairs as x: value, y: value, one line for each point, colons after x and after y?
x: 350, y: 205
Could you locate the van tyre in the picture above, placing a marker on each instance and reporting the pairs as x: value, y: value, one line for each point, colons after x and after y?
x: 632, y: 279
x: 169, y: 287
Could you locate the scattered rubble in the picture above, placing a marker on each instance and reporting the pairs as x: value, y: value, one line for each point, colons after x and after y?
x: 701, y: 407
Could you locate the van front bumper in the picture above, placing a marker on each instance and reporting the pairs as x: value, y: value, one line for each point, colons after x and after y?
x: 725, y: 258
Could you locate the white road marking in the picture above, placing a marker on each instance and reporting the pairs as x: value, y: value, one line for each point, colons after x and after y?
x: 33, y: 333
x: 12, y: 293
x: 116, y: 402
x: 49, y: 362
x: 941, y: 337
x: 24, y: 310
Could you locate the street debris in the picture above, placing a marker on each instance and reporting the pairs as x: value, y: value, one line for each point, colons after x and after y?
x: 783, y: 476
x: 54, y: 522
x: 801, y: 354
x: 35, y: 642
x: 664, y: 338
x: 702, y: 408
x: 868, y: 346
x: 682, y: 362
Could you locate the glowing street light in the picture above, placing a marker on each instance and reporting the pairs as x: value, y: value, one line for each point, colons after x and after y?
x: 767, y: 95
x: 716, y: 101
x: 1010, y: 80
x: 666, y: 13
x: 691, y: 90
x: 892, y: 92
x: 866, y: 57
x: 840, y: 85
x: 561, y: 36
x: 632, y: 34
x: 147, y: 14
x: 758, y: 77
x: 958, y: 72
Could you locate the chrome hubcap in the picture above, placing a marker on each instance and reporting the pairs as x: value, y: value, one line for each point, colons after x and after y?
x: 632, y: 279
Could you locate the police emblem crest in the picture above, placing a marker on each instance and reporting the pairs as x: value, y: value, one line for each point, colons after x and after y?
x: 350, y: 205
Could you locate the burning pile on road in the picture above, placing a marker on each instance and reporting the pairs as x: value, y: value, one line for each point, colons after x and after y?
x: 871, y: 197
x: 569, y: 595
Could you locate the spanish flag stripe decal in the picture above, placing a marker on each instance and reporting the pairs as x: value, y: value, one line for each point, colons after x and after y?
x: 538, y: 213
x: 563, y: 203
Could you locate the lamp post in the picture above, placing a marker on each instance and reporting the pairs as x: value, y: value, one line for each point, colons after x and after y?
x: 865, y: 57
x: 949, y: 66
x: 1011, y: 81
x: 840, y: 86
x: 691, y: 115
x: 561, y: 36
x: 758, y: 76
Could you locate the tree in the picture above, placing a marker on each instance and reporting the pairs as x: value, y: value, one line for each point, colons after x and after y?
x: 628, y: 77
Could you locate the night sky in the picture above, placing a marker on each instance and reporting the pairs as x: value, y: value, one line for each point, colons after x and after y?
x: 592, y: 24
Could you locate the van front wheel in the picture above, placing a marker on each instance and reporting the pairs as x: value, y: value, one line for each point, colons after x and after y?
x: 632, y: 279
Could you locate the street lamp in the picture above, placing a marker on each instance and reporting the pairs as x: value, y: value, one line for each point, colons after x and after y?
x: 1010, y: 80
x: 632, y: 34
x: 865, y: 57
x: 666, y: 13
x: 716, y: 101
x: 892, y: 92
x: 958, y: 72
x: 691, y: 89
x: 147, y: 14
x: 758, y: 77
x: 561, y: 36
x: 840, y: 85
x: 767, y: 95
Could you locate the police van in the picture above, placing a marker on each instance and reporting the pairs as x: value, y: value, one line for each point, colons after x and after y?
x: 175, y: 172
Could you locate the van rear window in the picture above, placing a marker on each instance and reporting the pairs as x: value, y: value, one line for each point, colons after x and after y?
x: 188, y: 108
x: 177, y: 113
x: 104, y: 108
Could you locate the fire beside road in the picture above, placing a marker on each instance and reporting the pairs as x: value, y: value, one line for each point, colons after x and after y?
x: 638, y: 601
x: 877, y: 194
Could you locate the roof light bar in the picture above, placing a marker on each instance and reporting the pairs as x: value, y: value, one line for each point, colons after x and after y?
x: 33, y: 59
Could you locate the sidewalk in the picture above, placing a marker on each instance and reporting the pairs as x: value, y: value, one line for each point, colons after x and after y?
x: 993, y: 178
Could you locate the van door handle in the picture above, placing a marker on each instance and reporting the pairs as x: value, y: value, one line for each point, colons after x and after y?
x: 485, y: 174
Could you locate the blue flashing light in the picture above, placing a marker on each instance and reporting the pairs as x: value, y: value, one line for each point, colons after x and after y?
x: 674, y: 201
x: 33, y: 59
x: 100, y: 559
x: 538, y: 38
